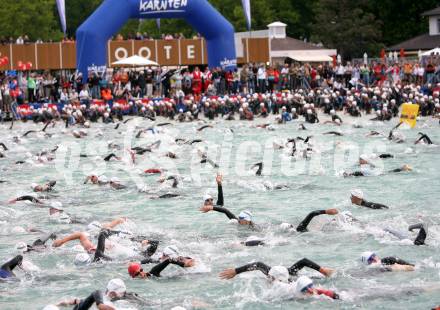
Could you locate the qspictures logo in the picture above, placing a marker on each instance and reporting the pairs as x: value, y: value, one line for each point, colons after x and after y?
x: 154, y: 6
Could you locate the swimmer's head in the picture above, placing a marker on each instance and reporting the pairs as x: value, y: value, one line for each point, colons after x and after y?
x: 304, y: 285
x: 35, y: 187
x: 356, y: 196
x: 368, y: 258
x: 116, y: 288
x: 332, y: 112
x: 363, y: 159
x: 279, y: 273
x: 208, y: 199
x: 82, y: 259
x: 170, y: 252
x: 135, y: 270
x: 245, y: 217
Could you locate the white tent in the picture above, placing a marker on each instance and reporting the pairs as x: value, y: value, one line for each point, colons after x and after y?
x: 435, y: 51
x: 135, y: 61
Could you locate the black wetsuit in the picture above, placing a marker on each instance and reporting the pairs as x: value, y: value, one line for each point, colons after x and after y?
x: 302, y: 227
x: 260, y: 168
x: 95, y: 298
x: 425, y: 138
x: 28, y: 198
x: 40, y: 242
x: 388, y: 261
x: 100, y: 249
x: 384, y: 156
x: 335, y: 117
x: 293, y: 270
x: 7, y: 268
x: 420, y: 239
x: 372, y: 205
x: 110, y: 156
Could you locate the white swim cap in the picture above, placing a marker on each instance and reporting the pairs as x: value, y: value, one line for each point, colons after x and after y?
x: 56, y: 204
x: 279, y: 273
x: 332, y: 112
x: 285, y: 226
x: 94, y: 225
x: 302, y: 284
x: 206, y: 197
x: 51, y: 307
x: 117, y: 286
x: 34, y: 185
x: 357, y: 193
x: 366, y: 256
x: 171, y: 251
x: 82, y: 259
x: 253, y: 238
x: 178, y: 308
x: 103, y: 179
x: 245, y: 215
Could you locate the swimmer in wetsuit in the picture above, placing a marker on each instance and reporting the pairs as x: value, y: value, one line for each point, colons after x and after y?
x: 43, y: 188
x: 421, y: 236
x: 260, y: 168
x: 357, y: 198
x: 293, y: 270
x: 386, y: 263
x: 6, y: 270
x: 27, y: 198
x: 84, y: 304
x: 135, y: 270
x: 245, y: 217
x: 37, y: 245
x: 423, y: 138
x: 303, y: 286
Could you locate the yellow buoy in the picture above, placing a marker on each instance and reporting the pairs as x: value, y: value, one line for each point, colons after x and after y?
x: 409, y: 114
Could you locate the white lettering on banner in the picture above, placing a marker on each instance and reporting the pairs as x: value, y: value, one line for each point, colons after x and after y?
x: 145, y: 49
x: 118, y: 52
x: 190, y: 52
x: 228, y: 62
x: 147, y: 6
x: 167, y: 51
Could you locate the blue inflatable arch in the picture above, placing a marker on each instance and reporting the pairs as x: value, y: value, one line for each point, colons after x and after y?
x: 108, y: 19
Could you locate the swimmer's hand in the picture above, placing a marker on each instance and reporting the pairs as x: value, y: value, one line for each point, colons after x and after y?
x: 227, y: 274
x: 219, y: 179
x: 326, y: 271
x: 331, y: 211
x: 57, y: 243
x: 206, y: 208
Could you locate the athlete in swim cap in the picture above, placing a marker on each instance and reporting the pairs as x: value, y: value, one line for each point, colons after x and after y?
x: 357, y: 198
x: 386, y: 263
x: 6, y: 270
x: 292, y: 271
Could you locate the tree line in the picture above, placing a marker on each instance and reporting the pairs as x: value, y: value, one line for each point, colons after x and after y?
x: 351, y: 26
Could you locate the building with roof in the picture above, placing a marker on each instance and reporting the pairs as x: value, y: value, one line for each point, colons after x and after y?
x: 424, y: 42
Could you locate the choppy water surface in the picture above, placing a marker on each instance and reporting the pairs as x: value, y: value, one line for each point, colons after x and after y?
x: 314, y: 184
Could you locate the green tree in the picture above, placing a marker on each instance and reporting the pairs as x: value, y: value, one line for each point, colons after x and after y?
x: 36, y: 18
x: 77, y: 11
x: 347, y: 26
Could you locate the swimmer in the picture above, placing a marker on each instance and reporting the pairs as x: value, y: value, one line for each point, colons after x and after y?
x: 27, y: 198
x: 404, y: 168
x: 386, y: 263
x: 205, y: 159
x: 43, y: 188
x: 302, y: 127
x: 357, y: 198
x: 135, y: 270
x: 395, y: 137
x: 148, y: 148
x: 424, y: 138
x: 84, y: 304
x: 173, y: 178
x: 171, y: 252
x: 293, y: 270
x: 83, y: 237
x: 3, y: 146
x: 110, y: 156
x: 303, y: 286
x: 94, y: 179
x: 37, y: 245
x: 421, y: 236
x: 6, y: 270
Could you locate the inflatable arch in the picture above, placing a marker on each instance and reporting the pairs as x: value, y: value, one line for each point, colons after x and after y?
x: 93, y: 34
